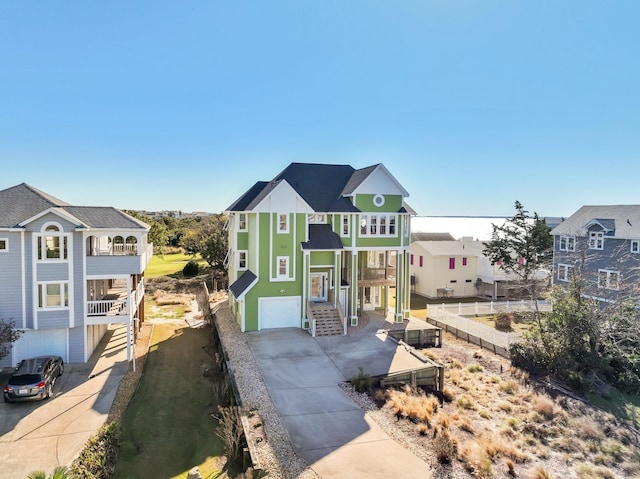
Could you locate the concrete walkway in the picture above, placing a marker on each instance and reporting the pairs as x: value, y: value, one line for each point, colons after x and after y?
x: 44, y: 434
x: 325, y: 426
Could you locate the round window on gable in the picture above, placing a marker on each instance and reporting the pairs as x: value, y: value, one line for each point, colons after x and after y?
x: 378, y: 200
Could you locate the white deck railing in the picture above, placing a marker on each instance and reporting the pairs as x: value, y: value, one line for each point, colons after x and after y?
x: 112, y: 307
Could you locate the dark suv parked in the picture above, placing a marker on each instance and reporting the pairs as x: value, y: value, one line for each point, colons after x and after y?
x: 34, y: 379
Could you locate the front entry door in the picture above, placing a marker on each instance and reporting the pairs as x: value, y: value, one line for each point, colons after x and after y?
x: 318, y: 285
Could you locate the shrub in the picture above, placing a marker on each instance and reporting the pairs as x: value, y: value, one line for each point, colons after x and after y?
x: 97, y: 459
x: 361, y: 382
x: 191, y: 269
x: 445, y: 448
x: 540, y: 473
x: 475, y: 368
x: 231, y: 432
x: 544, y: 406
x: 503, y: 321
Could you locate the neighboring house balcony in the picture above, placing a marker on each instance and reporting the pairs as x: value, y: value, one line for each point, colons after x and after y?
x: 115, y: 302
x: 119, y: 259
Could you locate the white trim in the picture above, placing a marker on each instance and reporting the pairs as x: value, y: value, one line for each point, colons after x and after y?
x: 635, y: 243
x: 596, y: 240
x: 570, y: 243
x: 344, y: 217
x: 567, y: 269
x: 58, y: 212
x: 4, y: 249
x: 280, y: 276
x: 366, y: 222
x: 279, y: 229
x: 42, y: 295
x: 239, y: 267
x: 608, y: 276
x: 246, y: 223
x: 378, y: 200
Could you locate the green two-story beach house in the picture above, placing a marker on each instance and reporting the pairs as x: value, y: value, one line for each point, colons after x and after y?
x: 319, y: 246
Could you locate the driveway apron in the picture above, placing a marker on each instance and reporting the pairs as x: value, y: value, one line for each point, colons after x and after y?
x: 325, y: 426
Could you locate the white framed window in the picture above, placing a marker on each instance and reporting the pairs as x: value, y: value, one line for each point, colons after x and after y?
x: 282, y: 263
x: 53, y: 295
x: 596, y: 240
x: 567, y: 243
x: 52, y: 244
x: 635, y: 246
x: 346, y: 223
x: 242, y: 222
x: 283, y: 223
x: 405, y: 225
x: 564, y: 272
x: 242, y: 260
x: 378, y: 225
x: 4, y: 245
x: 608, y: 279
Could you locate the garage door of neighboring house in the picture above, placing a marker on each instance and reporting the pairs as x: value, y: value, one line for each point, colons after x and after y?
x: 279, y: 312
x: 41, y: 342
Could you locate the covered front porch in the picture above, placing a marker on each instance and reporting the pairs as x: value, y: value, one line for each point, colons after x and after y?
x: 115, y: 300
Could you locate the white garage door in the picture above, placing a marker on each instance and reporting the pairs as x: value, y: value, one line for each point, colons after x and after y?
x: 42, y: 342
x: 279, y: 312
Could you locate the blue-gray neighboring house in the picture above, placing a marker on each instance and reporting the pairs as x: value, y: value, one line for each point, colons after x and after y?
x: 602, y: 244
x: 67, y: 272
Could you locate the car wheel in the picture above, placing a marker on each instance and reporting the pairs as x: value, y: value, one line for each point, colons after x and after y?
x: 47, y: 390
x: 61, y: 369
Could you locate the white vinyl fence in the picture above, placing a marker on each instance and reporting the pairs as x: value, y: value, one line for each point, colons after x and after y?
x: 457, y: 319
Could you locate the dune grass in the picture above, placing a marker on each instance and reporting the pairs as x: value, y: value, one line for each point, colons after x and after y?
x: 167, y: 428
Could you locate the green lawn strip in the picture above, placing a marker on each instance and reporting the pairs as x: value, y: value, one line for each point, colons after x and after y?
x: 168, y: 429
x: 623, y: 406
x: 168, y: 264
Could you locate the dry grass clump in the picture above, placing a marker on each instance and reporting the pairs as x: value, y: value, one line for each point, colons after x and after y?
x: 539, y: 472
x: 413, y: 405
x: 164, y: 298
x: 545, y: 406
x: 587, y: 471
x: 445, y: 447
x: 475, y: 459
x: 510, y: 387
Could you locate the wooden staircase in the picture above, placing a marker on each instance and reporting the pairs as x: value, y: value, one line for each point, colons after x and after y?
x: 328, y: 319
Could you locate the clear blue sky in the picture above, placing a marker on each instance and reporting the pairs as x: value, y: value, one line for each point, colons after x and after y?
x: 184, y: 105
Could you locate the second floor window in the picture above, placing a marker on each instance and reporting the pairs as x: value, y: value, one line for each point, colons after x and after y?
x: 4, y: 244
x: 635, y: 246
x: 345, y: 225
x: 564, y: 272
x: 567, y: 243
x: 452, y: 263
x: 242, y: 260
x: 242, y: 222
x: 608, y: 279
x: 596, y: 240
x: 53, y: 295
x: 283, y: 223
x: 52, y: 245
x: 378, y: 225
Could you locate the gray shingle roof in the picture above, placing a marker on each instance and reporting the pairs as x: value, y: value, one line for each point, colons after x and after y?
x: 625, y: 219
x: 322, y: 186
x: 322, y: 237
x: 21, y: 202
x: 242, y: 284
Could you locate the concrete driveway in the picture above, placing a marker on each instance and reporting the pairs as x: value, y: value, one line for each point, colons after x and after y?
x: 41, y: 435
x: 325, y: 426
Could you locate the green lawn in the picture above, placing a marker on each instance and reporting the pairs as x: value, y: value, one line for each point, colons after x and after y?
x: 169, y: 264
x: 167, y: 428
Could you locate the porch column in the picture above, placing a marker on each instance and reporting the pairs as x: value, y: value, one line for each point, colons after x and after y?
x: 354, y: 289
x: 306, y: 270
x: 400, y: 267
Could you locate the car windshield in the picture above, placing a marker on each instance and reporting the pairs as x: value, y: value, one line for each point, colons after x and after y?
x: 24, y: 379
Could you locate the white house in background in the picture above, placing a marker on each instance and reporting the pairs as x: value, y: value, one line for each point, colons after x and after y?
x: 67, y: 272
x: 458, y: 269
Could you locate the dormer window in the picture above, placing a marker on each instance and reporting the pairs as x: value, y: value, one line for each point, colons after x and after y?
x: 596, y: 240
x: 52, y: 244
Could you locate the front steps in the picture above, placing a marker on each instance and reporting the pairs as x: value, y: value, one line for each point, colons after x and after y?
x: 328, y: 321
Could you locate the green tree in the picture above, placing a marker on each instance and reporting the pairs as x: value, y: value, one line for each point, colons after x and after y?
x: 523, y: 246
x: 59, y: 472
x: 8, y: 336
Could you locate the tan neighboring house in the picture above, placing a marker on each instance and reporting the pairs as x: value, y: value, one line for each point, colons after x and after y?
x: 458, y: 269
